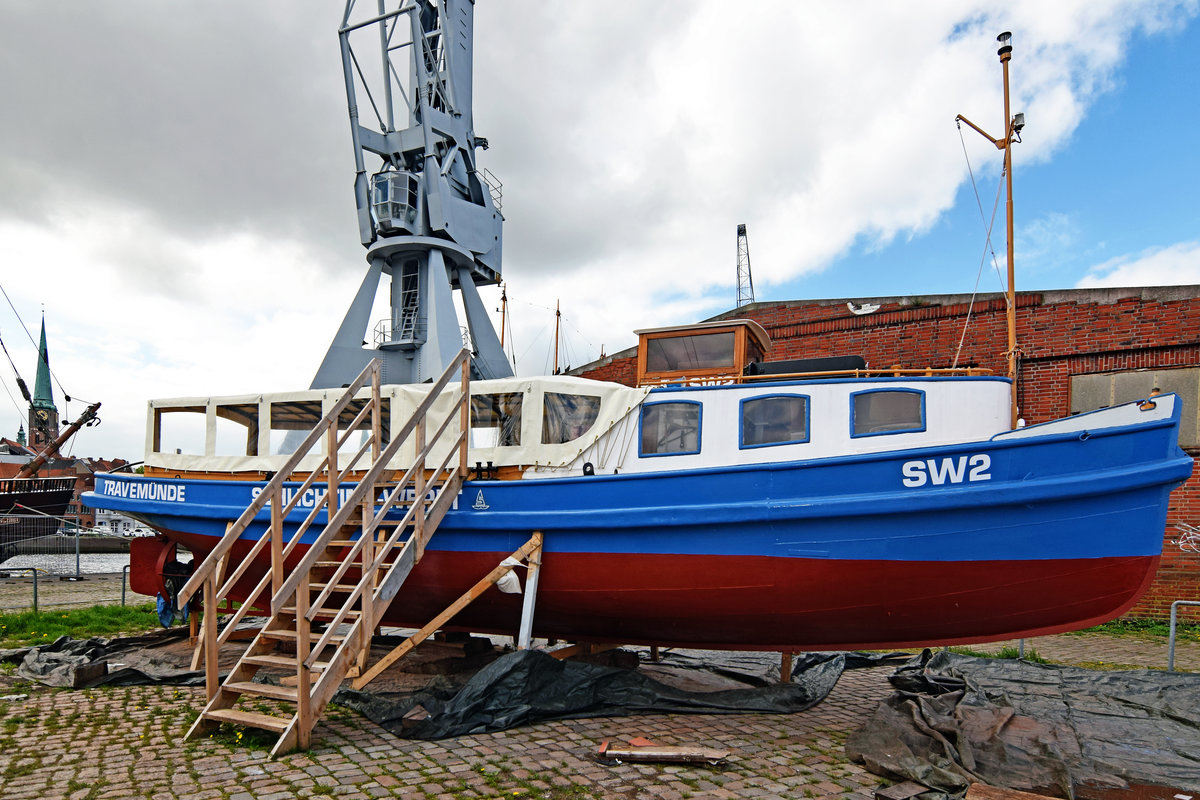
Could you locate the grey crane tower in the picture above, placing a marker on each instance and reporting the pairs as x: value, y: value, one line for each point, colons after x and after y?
x: 745, y: 292
x: 428, y: 217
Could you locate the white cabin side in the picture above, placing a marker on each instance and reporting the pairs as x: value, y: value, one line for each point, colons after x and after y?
x: 702, y: 427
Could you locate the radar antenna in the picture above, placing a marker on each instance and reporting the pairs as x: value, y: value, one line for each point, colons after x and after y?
x: 745, y: 292
x: 429, y: 218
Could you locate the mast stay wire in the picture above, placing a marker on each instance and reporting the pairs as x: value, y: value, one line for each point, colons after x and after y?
x: 66, y: 395
x: 987, y: 246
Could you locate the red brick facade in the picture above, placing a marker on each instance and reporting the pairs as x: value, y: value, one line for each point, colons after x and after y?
x: 1060, y: 334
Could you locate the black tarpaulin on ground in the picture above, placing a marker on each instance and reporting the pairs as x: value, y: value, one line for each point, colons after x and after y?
x: 530, y: 686
x: 1033, y: 727
x: 84, y: 663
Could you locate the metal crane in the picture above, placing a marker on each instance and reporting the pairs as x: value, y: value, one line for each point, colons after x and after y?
x: 429, y: 218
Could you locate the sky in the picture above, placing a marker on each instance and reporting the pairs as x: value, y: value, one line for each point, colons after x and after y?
x: 176, y: 179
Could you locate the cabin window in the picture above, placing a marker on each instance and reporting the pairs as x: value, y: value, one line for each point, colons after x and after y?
x: 670, y: 429
x: 566, y: 417
x: 681, y: 353
x: 496, y: 420
x: 180, y: 430
x: 774, y: 419
x: 362, y: 432
x: 236, y: 430
x: 291, y: 422
x: 882, y: 411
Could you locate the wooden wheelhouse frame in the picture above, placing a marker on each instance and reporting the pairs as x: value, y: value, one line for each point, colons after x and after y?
x: 750, y: 343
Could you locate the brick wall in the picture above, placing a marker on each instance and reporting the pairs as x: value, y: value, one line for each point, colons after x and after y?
x: 1060, y: 334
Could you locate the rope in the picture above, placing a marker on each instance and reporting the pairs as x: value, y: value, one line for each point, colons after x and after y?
x: 988, y: 225
x: 66, y: 395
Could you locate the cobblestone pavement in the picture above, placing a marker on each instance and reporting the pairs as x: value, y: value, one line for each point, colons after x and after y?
x: 127, y: 742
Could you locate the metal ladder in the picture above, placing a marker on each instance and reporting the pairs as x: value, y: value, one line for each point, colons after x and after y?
x: 326, y: 603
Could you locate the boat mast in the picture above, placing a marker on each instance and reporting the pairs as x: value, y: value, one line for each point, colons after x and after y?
x: 1012, y: 133
x: 88, y: 417
x: 557, y: 318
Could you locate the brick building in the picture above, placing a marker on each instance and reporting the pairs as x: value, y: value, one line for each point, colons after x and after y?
x: 1080, y: 349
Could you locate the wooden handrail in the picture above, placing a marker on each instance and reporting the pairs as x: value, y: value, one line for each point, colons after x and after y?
x: 205, y: 569
x: 367, y: 483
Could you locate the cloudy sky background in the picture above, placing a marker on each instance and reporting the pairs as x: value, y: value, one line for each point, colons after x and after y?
x: 175, y: 179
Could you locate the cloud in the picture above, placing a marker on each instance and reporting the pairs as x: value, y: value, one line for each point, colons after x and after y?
x: 175, y: 182
x: 1176, y: 265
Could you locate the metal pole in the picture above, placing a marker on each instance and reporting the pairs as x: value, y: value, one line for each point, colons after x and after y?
x: 1171, y: 637
x: 34, y: 571
x: 124, y: 578
x: 77, y: 553
x: 1005, y: 56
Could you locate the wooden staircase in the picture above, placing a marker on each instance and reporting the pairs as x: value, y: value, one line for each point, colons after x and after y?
x: 325, y: 603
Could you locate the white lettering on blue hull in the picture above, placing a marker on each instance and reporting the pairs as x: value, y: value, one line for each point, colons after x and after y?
x: 940, y: 471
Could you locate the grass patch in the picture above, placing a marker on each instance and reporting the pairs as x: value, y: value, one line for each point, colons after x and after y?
x: 1184, y: 631
x: 43, y: 627
x: 1008, y: 651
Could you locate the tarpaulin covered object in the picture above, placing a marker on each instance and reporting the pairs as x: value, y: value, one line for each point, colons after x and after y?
x: 530, y: 686
x: 1033, y: 727
x: 83, y: 663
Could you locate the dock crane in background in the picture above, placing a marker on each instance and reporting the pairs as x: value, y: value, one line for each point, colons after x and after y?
x: 428, y: 216
x: 745, y: 288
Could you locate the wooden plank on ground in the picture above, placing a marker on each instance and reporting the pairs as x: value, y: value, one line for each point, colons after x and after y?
x: 676, y: 754
x: 981, y: 791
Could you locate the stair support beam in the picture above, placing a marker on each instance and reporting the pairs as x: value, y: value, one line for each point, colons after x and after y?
x: 533, y: 546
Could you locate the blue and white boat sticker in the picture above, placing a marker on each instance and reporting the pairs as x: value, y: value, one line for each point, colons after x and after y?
x: 480, y: 503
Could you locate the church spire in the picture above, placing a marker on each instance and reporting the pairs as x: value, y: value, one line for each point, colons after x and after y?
x: 43, y: 393
x: 43, y: 416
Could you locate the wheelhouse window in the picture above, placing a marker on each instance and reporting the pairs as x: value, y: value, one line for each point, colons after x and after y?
x: 496, y: 420
x: 685, y: 353
x: 670, y: 429
x: 775, y: 419
x: 566, y: 417
x: 882, y: 411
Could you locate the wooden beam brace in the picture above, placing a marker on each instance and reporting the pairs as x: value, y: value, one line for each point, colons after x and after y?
x: 441, y: 619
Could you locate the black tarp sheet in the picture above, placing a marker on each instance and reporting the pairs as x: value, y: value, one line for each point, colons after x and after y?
x: 530, y: 686
x: 517, y: 688
x: 1039, y: 728
x: 84, y: 663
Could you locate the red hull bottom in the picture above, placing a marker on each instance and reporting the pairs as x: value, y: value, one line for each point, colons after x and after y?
x: 763, y: 603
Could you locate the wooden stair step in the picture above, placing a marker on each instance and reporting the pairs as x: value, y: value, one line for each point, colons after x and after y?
x: 249, y: 718
x: 344, y: 588
x: 286, y: 662
x: 263, y: 690
x: 327, y: 613
x: 290, y: 636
